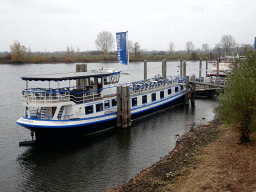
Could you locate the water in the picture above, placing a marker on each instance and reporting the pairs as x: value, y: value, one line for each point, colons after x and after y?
x: 95, y: 164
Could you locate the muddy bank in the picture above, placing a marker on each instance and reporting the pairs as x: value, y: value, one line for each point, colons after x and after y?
x: 176, y: 162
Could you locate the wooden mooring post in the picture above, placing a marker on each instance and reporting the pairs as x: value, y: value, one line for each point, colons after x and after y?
x: 145, y: 70
x: 164, y: 68
x: 81, y: 68
x: 184, y: 70
x: 200, y: 69
x: 206, y: 67
x: 123, y: 106
x: 181, y: 67
x: 218, y: 67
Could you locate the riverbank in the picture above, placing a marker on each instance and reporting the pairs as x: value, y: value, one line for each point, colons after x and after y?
x: 82, y: 58
x: 177, y: 162
x: 207, y: 158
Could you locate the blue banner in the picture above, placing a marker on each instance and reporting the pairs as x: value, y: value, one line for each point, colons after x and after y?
x: 121, y: 48
x: 255, y: 43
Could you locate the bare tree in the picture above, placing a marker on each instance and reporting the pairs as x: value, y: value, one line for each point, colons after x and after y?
x: 205, y: 47
x: 171, y: 46
x: 136, y: 49
x: 70, y: 55
x: 217, y: 49
x: 104, y: 41
x: 18, y: 53
x: 130, y: 45
x: 227, y: 42
x: 189, y: 46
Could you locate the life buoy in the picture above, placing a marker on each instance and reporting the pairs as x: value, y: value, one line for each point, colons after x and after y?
x: 166, y: 78
x: 230, y: 65
x: 214, y: 64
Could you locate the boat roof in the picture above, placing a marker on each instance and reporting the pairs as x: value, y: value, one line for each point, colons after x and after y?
x: 67, y: 76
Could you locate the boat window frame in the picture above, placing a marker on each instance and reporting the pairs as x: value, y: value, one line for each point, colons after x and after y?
x: 143, y: 99
x: 170, y: 91
x: 101, y: 108
x: 161, y: 94
x: 176, y: 89
x: 108, y: 104
x: 112, y: 101
x: 153, y: 99
x: 90, y: 112
x: 181, y: 87
x: 136, y: 101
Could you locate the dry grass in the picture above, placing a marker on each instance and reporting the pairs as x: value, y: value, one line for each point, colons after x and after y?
x: 223, y: 165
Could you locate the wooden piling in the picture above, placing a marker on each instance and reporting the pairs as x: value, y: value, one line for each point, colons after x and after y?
x: 164, y: 68
x: 77, y: 70
x: 218, y: 67
x: 187, y: 91
x: 206, y: 67
x: 119, y: 104
x: 123, y: 106
x: 200, y: 69
x: 180, y: 66
x: 184, y: 70
x: 81, y: 68
x: 145, y: 70
x: 193, y: 93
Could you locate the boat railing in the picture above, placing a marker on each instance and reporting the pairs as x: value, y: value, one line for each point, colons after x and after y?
x: 42, y: 95
x: 155, y: 84
x: 35, y: 114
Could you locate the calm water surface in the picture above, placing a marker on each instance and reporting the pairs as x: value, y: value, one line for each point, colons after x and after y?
x: 94, y: 164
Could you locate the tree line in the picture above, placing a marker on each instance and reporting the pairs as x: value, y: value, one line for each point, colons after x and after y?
x: 105, y: 43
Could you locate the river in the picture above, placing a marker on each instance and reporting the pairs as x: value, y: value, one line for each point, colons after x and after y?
x: 95, y: 164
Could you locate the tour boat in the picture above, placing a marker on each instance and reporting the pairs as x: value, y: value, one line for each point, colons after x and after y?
x: 86, y: 103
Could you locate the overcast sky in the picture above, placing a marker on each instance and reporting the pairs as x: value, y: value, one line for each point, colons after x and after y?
x: 52, y: 25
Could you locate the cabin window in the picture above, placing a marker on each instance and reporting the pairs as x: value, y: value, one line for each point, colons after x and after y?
x: 176, y: 89
x: 91, y: 81
x: 181, y: 87
x: 99, y: 80
x: 134, y: 101
x: 161, y: 94
x: 106, y: 104
x: 99, y: 107
x: 144, y: 99
x: 153, y: 96
x: 169, y: 91
x: 88, y: 109
x: 114, y: 101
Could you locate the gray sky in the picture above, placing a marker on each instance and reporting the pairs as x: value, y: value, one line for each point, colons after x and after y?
x: 52, y: 25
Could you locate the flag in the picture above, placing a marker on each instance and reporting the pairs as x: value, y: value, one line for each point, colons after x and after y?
x: 121, y: 48
x: 255, y: 43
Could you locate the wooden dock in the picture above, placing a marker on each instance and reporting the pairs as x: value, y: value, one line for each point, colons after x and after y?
x: 27, y: 143
x: 207, y: 89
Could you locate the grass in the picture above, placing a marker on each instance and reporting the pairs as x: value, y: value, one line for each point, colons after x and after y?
x: 223, y: 165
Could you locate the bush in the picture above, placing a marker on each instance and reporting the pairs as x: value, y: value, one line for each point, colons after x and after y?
x: 238, y: 102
